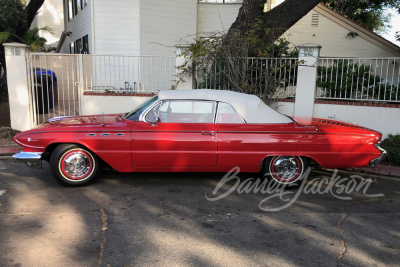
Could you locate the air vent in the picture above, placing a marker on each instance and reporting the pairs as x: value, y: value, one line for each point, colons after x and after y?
x: 314, y: 20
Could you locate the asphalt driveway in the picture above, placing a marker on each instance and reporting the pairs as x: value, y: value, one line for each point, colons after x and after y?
x: 166, y: 220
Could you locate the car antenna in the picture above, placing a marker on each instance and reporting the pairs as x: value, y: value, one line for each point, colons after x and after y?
x: 102, y: 125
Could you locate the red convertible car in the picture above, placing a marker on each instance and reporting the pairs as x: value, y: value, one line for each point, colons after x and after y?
x: 197, y: 131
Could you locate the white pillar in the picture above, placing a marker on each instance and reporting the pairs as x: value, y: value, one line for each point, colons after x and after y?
x: 17, y: 81
x: 188, y: 83
x: 306, y: 79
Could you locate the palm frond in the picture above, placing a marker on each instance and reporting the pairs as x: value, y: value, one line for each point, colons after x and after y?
x: 5, y: 36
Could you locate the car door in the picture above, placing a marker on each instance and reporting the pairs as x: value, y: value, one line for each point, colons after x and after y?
x: 183, y: 137
x: 246, y: 145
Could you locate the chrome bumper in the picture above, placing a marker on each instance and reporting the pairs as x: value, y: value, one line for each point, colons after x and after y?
x: 32, y: 159
x: 373, y: 162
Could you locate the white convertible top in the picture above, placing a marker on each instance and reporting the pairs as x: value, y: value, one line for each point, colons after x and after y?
x: 250, y: 107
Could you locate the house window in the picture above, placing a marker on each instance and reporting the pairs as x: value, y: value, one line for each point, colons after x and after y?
x: 75, y: 6
x: 70, y: 10
x: 80, y: 46
x: 72, y: 48
x: 221, y: 1
x: 85, y: 44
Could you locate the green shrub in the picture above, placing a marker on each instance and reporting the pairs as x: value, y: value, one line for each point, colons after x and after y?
x: 392, y: 145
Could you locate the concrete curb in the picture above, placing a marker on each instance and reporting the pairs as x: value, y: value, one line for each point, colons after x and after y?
x: 381, y: 169
x: 9, y: 151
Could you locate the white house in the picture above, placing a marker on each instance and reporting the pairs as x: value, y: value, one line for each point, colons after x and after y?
x: 152, y: 27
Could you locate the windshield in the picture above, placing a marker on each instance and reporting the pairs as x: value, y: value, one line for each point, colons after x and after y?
x: 135, y: 114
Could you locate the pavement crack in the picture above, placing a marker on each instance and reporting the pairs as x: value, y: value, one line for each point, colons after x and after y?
x: 344, y: 216
x: 104, y: 218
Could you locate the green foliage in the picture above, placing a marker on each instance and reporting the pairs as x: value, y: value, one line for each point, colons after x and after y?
x: 392, y: 145
x: 31, y: 38
x: 241, y: 63
x: 372, y: 14
x: 346, y: 79
x: 12, y: 14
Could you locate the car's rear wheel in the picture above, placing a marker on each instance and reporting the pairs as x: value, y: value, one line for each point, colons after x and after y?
x: 285, y: 169
x: 72, y: 165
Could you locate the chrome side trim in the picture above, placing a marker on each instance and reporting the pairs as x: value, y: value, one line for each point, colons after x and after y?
x: 373, y: 162
x: 32, y: 159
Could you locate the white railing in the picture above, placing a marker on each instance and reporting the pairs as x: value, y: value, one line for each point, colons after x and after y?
x: 57, y: 82
x: 359, y: 79
x: 128, y: 74
x: 278, y: 72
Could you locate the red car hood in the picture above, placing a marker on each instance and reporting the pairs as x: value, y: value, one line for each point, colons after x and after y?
x: 111, y: 121
x: 91, y: 120
x: 334, y: 126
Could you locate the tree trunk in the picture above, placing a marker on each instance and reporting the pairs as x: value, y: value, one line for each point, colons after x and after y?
x: 32, y: 10
x: 270, y: 25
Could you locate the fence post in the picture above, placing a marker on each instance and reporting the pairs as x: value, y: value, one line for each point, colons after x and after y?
x: 306, y: 79
x: 17, y: 83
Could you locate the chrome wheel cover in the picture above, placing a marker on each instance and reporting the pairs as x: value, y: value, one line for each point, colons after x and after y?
x: 76, y: 165
x: 286, y: 168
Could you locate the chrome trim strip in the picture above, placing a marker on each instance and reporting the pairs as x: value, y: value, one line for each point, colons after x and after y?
x: 127, y: 131
x: 78, y: 131
x: 373, y: 162
x: 22, y: 144
x: 32, y: 159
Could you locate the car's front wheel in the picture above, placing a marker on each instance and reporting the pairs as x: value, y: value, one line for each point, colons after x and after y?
x: 72, y: 165
x: 285, y: 169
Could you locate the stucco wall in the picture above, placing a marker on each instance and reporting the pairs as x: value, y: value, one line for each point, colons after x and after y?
x: 382, y: 119
x: 93, y: 104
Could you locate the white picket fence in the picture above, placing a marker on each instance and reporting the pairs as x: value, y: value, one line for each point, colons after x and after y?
x: 57, y: 82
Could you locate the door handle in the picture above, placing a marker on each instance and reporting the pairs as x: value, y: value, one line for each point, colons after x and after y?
x: 208, y: 133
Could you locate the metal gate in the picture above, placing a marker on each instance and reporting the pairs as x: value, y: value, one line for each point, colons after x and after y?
x: 54, y: 85
x: 57, y: 82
